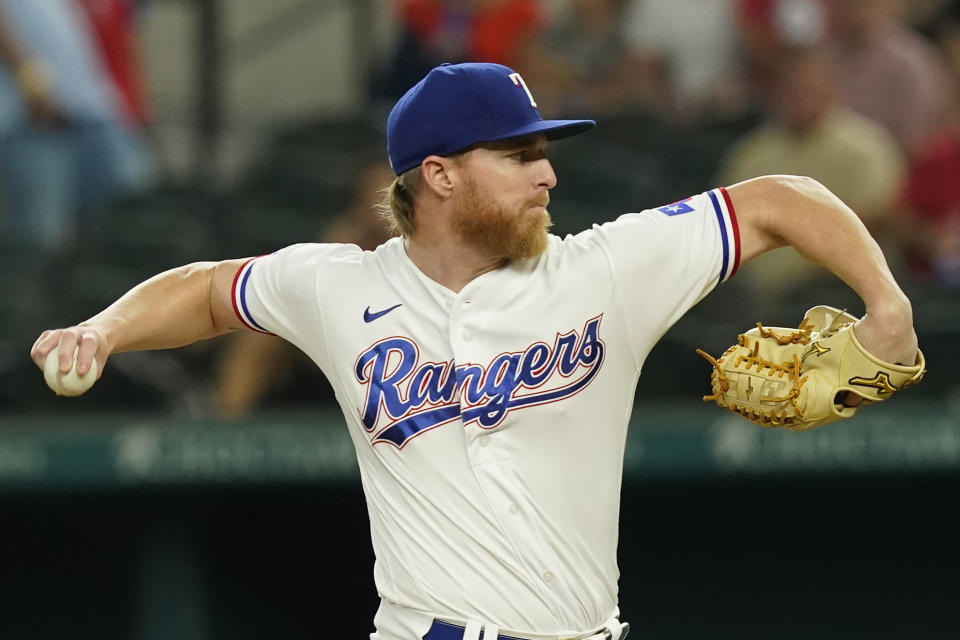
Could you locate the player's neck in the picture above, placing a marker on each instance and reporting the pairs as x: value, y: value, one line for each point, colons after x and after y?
x: 449, y: 262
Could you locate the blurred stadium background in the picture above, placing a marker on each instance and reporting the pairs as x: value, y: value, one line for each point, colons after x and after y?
x: 212, y: 492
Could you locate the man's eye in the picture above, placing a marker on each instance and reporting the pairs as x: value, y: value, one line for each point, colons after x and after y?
x: 528, y: 155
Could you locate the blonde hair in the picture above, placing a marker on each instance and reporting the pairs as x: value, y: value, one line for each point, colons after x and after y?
x: 397, y: 202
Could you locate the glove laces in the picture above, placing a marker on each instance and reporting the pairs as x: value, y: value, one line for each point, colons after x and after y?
x: 769, y: 417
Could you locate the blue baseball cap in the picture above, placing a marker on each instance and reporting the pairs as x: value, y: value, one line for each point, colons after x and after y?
x: 457, y: 105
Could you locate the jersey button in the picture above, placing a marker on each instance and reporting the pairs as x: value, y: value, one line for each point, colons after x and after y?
x: 548, y: 577
x: 514, y: 509
x: 483, y: 441
x: 467, y: 336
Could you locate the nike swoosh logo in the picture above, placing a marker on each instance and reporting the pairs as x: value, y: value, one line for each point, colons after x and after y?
x: 370, y: 317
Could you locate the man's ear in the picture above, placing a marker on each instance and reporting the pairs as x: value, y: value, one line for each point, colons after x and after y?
x: 436, y: 174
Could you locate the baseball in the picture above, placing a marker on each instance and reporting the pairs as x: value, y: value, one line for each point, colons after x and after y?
x: 70, y: 383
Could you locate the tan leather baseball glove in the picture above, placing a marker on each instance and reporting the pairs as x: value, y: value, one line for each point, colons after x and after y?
x: 791, y: 378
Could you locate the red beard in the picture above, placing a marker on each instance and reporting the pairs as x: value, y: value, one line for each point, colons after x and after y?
x: 500, y: 232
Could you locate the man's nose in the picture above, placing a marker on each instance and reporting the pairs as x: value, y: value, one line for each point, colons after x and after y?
x: 546, y: 176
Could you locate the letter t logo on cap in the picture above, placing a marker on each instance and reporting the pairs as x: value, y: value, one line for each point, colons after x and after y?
x: 517, y: 80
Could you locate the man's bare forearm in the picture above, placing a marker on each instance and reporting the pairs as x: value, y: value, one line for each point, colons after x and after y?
x: 169, y: 310
x: 802, y: 213
x: 849, y: 251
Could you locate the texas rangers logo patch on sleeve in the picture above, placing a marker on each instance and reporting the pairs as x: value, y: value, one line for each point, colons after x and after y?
x: 676, y: 208
x: 406, y: 397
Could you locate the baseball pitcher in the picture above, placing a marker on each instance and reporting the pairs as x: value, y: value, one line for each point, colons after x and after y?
x: 485, y: 368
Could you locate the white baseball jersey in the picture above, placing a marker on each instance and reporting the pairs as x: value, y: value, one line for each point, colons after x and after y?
x: 490, y: 424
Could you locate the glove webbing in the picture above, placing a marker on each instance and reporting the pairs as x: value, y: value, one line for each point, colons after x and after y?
x: 768, y: 418
x: 800, y: 336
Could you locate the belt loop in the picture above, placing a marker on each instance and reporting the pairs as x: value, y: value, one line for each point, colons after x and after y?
x: 616, y: 630
x: 472, y: 630
x: 491, y: 632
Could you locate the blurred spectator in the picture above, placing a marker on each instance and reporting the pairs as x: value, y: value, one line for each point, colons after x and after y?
x: 768, y: 28
x: 810, y: 134
x: 931, y: 17
x: 253, y: 363
x: 114, y: 32
x: 888, y: 72
x: 114, y: 29
x: 64, y: 145
x: 580, y: 63
x: 437, y: 31
x: 684, y: 55
x: 929, y: 224
x: 947, y: 38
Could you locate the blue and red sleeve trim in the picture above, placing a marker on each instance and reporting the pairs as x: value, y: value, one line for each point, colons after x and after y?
x: 729, y: 232
x: 238, y: 296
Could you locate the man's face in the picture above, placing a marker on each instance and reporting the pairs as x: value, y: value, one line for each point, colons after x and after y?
x: 806, y: 93
x: 856, y: 19
x: 502, y: 202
